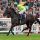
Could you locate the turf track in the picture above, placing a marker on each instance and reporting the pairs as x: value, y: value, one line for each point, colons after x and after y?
x: 20, y: 37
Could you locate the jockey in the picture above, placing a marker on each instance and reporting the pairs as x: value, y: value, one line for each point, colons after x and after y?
x: 21, y: 10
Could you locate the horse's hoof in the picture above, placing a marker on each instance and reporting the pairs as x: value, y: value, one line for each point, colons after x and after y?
x: 12, y: 33
x: 27, y: 35
x: 7, y: 34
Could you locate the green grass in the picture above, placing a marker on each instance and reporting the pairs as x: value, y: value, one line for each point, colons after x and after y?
x: 20, y: 37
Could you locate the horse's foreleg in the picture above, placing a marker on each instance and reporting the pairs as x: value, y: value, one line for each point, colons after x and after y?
x: 8, y: 33
x: 10, y: 30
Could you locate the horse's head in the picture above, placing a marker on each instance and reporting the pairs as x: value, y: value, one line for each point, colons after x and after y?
x: 10, y: 12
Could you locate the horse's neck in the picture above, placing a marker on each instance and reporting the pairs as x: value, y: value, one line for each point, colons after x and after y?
x: 13, y: 13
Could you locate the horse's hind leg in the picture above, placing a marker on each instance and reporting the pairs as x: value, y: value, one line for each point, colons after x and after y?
x: 25, y: 29
x: 29, y: 27
x: 29, y: 31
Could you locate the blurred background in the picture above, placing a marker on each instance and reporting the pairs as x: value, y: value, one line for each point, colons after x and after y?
x: 34, y: 5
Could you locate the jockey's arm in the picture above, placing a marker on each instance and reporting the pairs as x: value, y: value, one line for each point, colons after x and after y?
x: 28, y: 11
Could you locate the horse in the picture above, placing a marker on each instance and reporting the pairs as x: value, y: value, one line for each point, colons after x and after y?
x: 17, y: 20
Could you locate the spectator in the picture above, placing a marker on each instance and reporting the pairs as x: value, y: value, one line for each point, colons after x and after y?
x: 1, y: 12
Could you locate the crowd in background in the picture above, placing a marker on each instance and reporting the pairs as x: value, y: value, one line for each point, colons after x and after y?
x: 34, y: 6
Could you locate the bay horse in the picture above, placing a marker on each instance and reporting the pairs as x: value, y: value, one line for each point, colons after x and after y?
x: 17, y: 20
